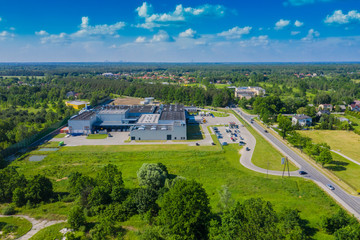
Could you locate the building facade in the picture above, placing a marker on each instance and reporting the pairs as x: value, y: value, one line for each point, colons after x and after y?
x: 249, y: 92
x: 302, y: 120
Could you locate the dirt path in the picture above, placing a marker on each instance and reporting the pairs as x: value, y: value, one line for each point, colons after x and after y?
x: 37, y: 225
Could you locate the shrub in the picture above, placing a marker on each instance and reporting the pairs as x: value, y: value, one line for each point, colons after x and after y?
x: 9, y: 210
x: 9, y: 228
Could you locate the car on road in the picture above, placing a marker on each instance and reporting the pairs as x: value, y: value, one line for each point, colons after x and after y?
x: 197, y: 144
x: 266, y: 131
x: 302, y: 172
x: 329, y: 186
x: 247, y: 149
x: 242, y: 143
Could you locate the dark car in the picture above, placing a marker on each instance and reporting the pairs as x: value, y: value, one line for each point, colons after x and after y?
x: 242, y: 143
x: 197, y: 144
x: 213, y: 144
x: 265, y: 130
x: 302, y: 172
x: 247, y: 149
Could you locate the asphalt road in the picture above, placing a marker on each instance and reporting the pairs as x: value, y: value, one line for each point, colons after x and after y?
x: 349, y: 202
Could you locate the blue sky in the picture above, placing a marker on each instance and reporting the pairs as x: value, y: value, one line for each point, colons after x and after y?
x: 180, y: 31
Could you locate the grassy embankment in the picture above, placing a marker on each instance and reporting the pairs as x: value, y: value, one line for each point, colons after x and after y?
x: 60, y: 135
x: 208, y: 165
x: 97, y: 136
x: 22, y: 226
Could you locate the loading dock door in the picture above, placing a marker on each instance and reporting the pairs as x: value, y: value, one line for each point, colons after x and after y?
x: 168, y: 137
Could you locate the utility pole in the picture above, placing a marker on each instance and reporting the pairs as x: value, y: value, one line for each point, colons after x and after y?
x: 285, y: 162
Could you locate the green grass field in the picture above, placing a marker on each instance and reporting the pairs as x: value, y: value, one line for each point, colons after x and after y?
x: 23, y: 226
x: 51, y: 232
x: 346, y: 170
x: 345, y: 141
x: 97, y: 136
x: 60, y: 135
x: 208, y: 165
x: 354, y: 120
x: 221, y: 86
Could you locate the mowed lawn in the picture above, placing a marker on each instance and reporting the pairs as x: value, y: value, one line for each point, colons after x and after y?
x: 208, y: 165
x: 346, y: 141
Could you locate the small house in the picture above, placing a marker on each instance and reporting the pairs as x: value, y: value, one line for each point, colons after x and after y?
x: 328, y: 107
x: 301, y: 120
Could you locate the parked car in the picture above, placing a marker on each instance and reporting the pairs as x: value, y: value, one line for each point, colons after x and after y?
x: 329, y: 186
x: 213, y: 144
x: 197, y: 144
x: 235, y: 135
x: 247, y: 149
x: 241, y: 137
x: 224, y: 143
x: 302, y: 172
x: 220, y: 136
x: 242, y: 143
x: 67, y: 136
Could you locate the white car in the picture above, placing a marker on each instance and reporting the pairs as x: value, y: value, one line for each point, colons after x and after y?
x: 67, y: 136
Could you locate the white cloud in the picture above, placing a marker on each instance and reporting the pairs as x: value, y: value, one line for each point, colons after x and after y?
x: 311, y: 34
x: 61, y: 38
x: 180, y: 14
x: 235, y: 32
x: 189, y: 33
x: 86, y: 30
x: 295, y: 33
x: 281, y: 24
x: 41, y: 33
x: 6, y: 35
x: 12, y: 28
x: 303, y: 2
x: 340, y: 18
x: 162, y: 36
x: 145, y: 10
x: 261, y: 40
x: 140, y: 40
x: 298, y: 23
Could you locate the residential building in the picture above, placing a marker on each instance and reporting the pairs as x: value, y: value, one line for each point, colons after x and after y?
x: 355, y: 106
x: 249, y: 92
x: 301, y: 120
x: 326, y: 107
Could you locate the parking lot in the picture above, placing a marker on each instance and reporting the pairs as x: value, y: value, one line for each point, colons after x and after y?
x: 227, y: 135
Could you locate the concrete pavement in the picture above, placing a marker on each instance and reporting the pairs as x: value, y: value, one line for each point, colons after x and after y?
x: 344, y: 156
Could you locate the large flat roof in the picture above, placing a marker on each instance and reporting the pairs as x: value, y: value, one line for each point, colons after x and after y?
x: 149, y: 119
x: 142, y: 109
x: 173, y: 112
x: 84, y: 116
x: 113, y: 109
x: 76, y: 102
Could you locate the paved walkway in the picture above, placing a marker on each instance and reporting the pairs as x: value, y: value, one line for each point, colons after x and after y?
x: 37, y: 225
x: 350, y: 159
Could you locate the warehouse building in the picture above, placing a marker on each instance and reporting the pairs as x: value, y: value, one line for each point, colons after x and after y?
x: 168, y: 124
x: 146, y: 122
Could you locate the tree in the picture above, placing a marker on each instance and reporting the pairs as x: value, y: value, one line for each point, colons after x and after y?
x: 284, y: 124
x: 39, y: 189
x: 185, y: 211
x: 152, y: 175
x: 76, y: 217
x: 78, y: 182
x: 109, y: 177
x: 324, y: 157
x: 99, y: 196
x: 333, y: 223
x: 19, y: 197
x: 145, y: 200
x: 254, y: 219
